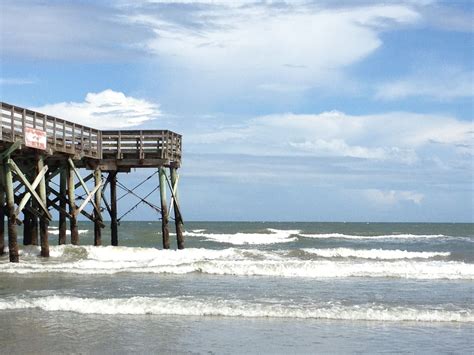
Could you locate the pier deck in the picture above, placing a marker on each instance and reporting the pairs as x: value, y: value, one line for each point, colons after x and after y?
x: 36, y: 148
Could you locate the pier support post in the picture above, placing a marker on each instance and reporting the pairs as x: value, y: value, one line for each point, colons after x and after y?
x: 113, y: 208
x: 178, y: 219
x: 27, y: 217
x: 12, y: 234
x: 44, y: 222
x: 34, y: 228
x: 62, y: 204
x: 71, y: 191
x: 2, y: 211
x: 27, y: 226
x: 97, y: 213
x: 164, y: 209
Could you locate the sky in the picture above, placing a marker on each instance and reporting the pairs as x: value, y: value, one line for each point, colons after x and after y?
x: 289, y: 110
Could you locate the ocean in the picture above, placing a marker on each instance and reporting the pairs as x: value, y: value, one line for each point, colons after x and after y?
x: 241, y: 287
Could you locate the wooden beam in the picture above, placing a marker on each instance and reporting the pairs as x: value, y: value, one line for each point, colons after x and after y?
x: 173, y: 193
x: 164, y: 209
x: 75, y: 186
x: 87, y: 199
x: 44, y: 220
x: 82, y: 182
x: 174, y: 188
x: 83, y: 212
x: 2, y: 211
x: 98, y: 215
x: 25, y: 182
x: 113, y: 208
x: 106, y: 203
x: 27, y: 216
x: 10, y: 150
x: 62, y: 211
x: 12, y: 234
x: 62, y: 206
x: 71, y: 191
x: 178, y: 219
x: 27, y: 195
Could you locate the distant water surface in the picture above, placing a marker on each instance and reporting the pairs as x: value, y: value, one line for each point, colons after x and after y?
x: 246, y: 287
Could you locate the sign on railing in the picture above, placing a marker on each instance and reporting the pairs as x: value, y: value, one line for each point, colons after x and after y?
x: 35, y: 138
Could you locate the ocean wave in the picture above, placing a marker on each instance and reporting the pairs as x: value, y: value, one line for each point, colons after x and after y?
x: 382, y: 237
x: 381, y: 254
x: 230, y: 261
x: 55, y: 231
x: 273, y: 236
x: 236, y: 308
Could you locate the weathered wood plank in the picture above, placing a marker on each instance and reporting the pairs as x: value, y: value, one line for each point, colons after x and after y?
x: 44, y: 220
x: 25, y: 182
x: 164, y: 209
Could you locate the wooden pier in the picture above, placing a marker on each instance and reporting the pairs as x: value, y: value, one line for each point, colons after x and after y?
x: 38, y: 150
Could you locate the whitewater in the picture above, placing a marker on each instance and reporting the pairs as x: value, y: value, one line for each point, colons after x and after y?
x: 236, y: 280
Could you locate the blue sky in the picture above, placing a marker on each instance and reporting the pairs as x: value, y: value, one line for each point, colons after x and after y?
x: 297, y: 110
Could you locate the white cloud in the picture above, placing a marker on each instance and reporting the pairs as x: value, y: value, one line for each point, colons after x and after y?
x: 397, y: 136
x: 273, y: 47
x: 105, y: 110
x: 443, y: 85
x: 392, y: 197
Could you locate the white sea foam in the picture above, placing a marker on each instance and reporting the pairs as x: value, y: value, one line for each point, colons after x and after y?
x: 273, y: 236
x: 382, y: 254
x: 55, y: 231
x: 236, y: 308
x: 380, y: 237
x: 230, y: 261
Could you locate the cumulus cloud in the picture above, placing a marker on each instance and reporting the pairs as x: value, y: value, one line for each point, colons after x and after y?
x: 107, y: 109
x: 392, y: 197
x: 397, y: 136
x: 444, y: 85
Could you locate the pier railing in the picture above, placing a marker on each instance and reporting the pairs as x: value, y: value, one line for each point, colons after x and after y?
x: 142, y: 145
x: 62, y: 136
x: 18, y: 123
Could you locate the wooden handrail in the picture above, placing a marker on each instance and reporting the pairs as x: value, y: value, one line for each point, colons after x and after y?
x: 69, y: 137
x: 62, y: 136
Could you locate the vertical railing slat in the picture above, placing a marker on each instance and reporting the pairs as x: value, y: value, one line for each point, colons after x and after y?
x: 73, y: 137
x: 54, y: 132
x: 12, y: 124
x: 23, y: 124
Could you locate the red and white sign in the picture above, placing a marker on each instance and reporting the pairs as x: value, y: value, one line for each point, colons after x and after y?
x: 35, y: 138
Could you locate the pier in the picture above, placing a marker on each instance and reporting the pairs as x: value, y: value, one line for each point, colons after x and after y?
x: 45, y: 159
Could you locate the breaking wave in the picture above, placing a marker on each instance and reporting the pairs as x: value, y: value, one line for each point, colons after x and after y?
x: 382, y: 254
x: 55, y: 231
x: 383, y: 237
x: 273, y: 236
x: 236, y: 308
x: 230, y: 261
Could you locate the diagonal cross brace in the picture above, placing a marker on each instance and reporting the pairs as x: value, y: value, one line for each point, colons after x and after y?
x: 27, y: 195
x: 28, y: 186
x: 87, y: 178
x: 84, y: 213
x: 10, y: 150
x: 86, y: 201
x: 83, y: 183
x: 173, y: 196
x: 173, y: 193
